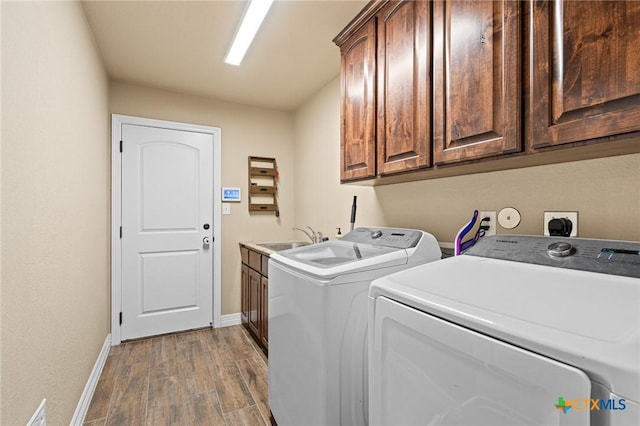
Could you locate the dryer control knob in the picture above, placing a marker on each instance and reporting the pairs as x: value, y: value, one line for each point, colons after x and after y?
x: 561, y: 249
x: 376, y: 234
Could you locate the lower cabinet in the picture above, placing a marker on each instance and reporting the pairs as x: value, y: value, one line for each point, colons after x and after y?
x: 245, y: 294
x: 255, y: 295
x: 264, y: 312
x: 255, y: 305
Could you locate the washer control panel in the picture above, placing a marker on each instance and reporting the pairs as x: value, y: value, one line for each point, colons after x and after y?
x: 604, y: 256
x: 389, y: 237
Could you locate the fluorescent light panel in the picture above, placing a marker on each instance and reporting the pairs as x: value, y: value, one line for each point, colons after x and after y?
x: 253, y: 17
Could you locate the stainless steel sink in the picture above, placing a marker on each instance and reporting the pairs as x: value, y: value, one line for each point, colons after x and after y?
x: 283, y: 246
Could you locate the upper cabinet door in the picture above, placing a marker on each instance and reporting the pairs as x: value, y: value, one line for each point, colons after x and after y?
x: 357, y: 144
x: 404, y: 98
x: 584, y: 70
x: 476, y: 68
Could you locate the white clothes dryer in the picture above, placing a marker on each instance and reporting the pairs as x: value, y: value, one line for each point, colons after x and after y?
x: 518, y: 331
x: 318, y: 321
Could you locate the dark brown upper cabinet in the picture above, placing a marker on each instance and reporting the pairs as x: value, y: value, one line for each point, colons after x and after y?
x: 431, y: 84
x: 584, y: 71
x: 476, y: 79
x: 357, y: 108
x: 403, y: 89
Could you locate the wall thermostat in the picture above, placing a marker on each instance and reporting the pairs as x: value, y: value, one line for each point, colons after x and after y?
x: 230, y: 194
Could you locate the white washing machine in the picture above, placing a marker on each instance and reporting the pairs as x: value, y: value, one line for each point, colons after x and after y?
x: 518, y: 331
x: 318, y: 321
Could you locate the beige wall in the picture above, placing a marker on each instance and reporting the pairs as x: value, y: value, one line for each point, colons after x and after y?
x: 55, y: 257
x: 0, y: 221
x: 245, y: 131
x: 320, y: 200
x: 605, y: 192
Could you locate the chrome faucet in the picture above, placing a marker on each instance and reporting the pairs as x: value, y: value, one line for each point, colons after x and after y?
x: 314, y: 236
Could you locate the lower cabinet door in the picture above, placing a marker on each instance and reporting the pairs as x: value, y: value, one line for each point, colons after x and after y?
x: 244, y: 282
x: 264, y: 312
x: 254, y: 302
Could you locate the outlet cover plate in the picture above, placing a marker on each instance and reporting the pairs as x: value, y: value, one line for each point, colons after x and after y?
x: 572, y: 216
x: 492, y: 222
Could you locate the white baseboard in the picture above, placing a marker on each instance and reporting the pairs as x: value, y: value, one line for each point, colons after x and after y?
x: 230, y: 319
x: 90, y: 387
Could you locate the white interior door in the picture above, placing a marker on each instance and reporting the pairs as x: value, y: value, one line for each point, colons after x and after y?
x: 167, y: 217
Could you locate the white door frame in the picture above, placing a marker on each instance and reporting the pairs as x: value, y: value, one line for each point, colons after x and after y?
x: 117, y: 121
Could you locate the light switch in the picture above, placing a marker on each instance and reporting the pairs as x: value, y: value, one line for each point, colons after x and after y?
x: 226, y: 208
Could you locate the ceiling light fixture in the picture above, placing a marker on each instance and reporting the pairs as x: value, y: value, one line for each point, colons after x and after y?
x: 251, y: 21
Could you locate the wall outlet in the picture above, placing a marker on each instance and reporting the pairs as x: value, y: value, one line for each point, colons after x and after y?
x: 572, y: 216
x: 491, y: 222
x: 39, y: 418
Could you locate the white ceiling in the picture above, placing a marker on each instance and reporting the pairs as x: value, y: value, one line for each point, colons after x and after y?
x: 180, y: 46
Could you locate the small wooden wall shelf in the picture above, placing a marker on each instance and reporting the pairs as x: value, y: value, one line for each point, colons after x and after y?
x: 263, y: 185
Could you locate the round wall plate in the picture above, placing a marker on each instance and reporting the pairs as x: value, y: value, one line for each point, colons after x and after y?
x: 509, y: 218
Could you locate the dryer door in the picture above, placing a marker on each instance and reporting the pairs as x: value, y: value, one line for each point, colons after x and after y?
x: 424, y: 370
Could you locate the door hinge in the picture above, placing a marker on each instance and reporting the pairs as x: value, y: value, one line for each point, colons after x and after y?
x: 120, y: 318
x: 120, y: 146
x: 121, y: 232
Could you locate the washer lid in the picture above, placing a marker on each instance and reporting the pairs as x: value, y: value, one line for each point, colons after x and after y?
x: 333, y: 258
x: 588, y: 320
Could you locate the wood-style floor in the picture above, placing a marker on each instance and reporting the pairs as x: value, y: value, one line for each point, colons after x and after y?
x: 203, y: 377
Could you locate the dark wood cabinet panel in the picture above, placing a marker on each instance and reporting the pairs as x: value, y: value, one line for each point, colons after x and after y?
x: 403, y: 89
x: 255, y: 260
x: 476, y: 79
x: 426, y: 85
x: 264, y: 312
x: 244, y: 255
x: 357, y: 145
x: 255, y: 295
x: 265, y: 266
x: 244, y: 294
x: 255, y: 286
x: 583, y: 71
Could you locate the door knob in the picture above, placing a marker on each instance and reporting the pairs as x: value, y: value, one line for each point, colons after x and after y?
x: 206, y: 241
